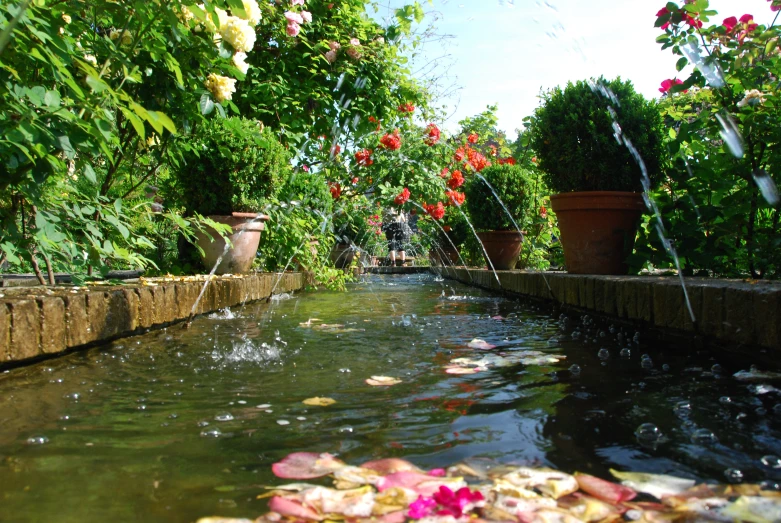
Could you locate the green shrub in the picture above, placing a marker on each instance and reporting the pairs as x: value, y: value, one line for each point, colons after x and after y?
x: 229, y: 165
x: 573, y: 136
x: 511, y: 184
x: 309, y: 189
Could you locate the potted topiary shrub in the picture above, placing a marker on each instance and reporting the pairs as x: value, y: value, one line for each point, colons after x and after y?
x: 580, y: 137
x: 496, y: 230
x: 226, y: 169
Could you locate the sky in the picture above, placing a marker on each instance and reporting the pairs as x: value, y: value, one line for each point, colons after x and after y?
x: 504, y: 51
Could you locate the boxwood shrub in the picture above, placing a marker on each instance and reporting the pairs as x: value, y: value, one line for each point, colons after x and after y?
x: 511, y: 183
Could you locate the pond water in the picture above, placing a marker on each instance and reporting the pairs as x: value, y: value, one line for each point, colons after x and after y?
x: 178, y: 424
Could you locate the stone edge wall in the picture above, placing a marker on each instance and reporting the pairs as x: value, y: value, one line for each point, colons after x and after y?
x: 36, y: 322
x: 733, y: 314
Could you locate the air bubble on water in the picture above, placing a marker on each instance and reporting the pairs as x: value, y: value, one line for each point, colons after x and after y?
x: 625, y: 353
x: 683, y: 409
x: 173, y: 416
x: 717, y: 369
x: 263, y: 406
x: 647, y: 363
x: 725, y: 400
x: 224, y: 416
x: 344, y: 370
x: 203, y: 423
x: 603, y: 354
x: 37, y: 440
x: 301, y: 418
x: 666, y: 368
x: 241, y: 402
x: 633, y: 515
x: 731, y: 134
x: 767, y: 187
x: 760, y: 411
x: 777, y: 409
x: 733, y: 475
x: 648, y: 434
x: 575, y: 369
x: 347, y: 429
x: 770, y: 485
x: 772, y: 462
x: 704, y: 437
x: 283, y: 422
x: 211, y: 433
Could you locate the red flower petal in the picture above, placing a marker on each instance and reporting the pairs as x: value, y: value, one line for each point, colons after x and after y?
x: 604, y: 490
x: 306, y: 465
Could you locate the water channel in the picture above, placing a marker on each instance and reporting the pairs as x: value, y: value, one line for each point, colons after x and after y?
x: 178, y: 424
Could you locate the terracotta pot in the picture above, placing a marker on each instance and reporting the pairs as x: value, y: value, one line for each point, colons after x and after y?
x: 503, y: 248
x: 598, y: 229
x: 342, y: 255
x: 245, y: 239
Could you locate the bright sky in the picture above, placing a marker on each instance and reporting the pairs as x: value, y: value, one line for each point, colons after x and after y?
x: 504, y: 51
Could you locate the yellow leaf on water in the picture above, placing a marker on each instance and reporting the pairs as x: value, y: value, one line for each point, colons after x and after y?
x: 382, y: 381
x: 319, y: 402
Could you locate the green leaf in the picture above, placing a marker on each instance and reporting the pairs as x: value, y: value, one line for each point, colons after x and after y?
x: 89, y: 173
x: 65, y: 146
x: 135, y: 121
x: 206, y: 104
x: 96, y: 83
x: 681, y: 63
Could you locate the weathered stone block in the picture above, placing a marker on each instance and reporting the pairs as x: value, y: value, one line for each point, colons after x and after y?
x: 767, y: 317
x: 5, y: 332
x: 25, y: 336
x: 77, y: 328
x: 571, y: 291
x: 738, y: 322
x: 146, y: 307
x: 609, y: 296
x: 53, y: 324
x: 711, y: 318
x: 119, y: 314
x: 96, y: 313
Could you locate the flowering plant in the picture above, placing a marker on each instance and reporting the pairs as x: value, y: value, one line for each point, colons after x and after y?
x: 720, y: 203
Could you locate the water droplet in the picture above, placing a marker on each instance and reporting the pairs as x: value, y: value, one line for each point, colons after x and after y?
x: 770, y: 485
x: 625, y: 353
x: 603, y: 354
x: 283, y: 422
x: 683, y: 409
x: 731, y: 134
x: 575, y: 369
x: 666, y: 368
x: 648, y: 432
x: 263, y: 406
x: 647, y: 363
x: 773, y: 462
x: 211, y: 433
x: 301, y: 418
x: 725, y: 400
x: 717, y: 369
x: 203, y: 423
x: 704, y: 437
x: 37, y: 440
x: 241, y: 402
x: 173, y: 416
x: 733, y: 475
x: 344, y: 370
x: 224, y: 416
x: 346, y: 429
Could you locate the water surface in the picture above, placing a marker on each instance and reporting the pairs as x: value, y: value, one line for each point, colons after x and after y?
x: 178, y: 424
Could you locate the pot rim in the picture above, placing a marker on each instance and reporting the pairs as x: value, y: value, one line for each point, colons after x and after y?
x: 598, y: 200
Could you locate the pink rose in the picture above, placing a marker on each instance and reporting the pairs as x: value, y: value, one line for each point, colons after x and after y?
x: 335, y: 46
x: 293, y: 29
x: 355, y: 41
x: 296, y: 2
x: 294, y: 17
x: 330, y: 56
x: 307, y: 16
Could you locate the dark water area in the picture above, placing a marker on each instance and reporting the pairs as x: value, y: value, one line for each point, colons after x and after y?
x: 179, y: 424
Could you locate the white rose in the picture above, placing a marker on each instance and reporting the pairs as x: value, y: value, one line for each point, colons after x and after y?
x: 239, y: 34
x: 238, y: 61
x: 253, y: 12
x: 221, y: 87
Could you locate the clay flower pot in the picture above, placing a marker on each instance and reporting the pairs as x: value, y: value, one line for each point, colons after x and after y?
x: 342, y: 255
x: 238, y: 259
x: 503, y: 248
x: 598, y: 229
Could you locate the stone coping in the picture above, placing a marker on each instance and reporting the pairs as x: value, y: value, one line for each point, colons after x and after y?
x: 733, y: 314
x: 36, y: 322
x: 402, y: 269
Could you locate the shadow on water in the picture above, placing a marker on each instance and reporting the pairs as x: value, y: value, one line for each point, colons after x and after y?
x: 178, y: 424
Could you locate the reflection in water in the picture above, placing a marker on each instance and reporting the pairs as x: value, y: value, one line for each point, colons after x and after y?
x: 179, y: 423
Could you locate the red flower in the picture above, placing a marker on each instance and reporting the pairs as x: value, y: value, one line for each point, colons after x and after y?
x: 444, y: 173
x: 336, y: 190
x: 507, y: 161
x: 336, y: 149
x: 746, y: 18
x: 663, y: 11
x: 435, y: 211
x: 456, y: 503
x: 693, y: 22
x: 543, y: 211
x: 355, y: 180
x: 456, y: 180
x: 364, y: 157
x: 402, y: 198
x: 668, y: 84
x: 494, y: 152
x: 305, y: 168
x: 730, y: 23
x: 477, y: 161
x: 407, y: 108
x: 472, y: 138
x: 455, y: 197
x: 433, y: 135
x: 372, y: 119
x: 459, y: 154
x: 391, y: 141
x: 774, y: 7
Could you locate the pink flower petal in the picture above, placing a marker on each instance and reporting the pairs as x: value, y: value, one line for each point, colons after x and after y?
x: 480, y: 344
x: 306, y: 465
x: 292, y: 508
x: 458, y: 370
x: 390, y: 466
x: 437, y: 473
x: 604, y: 490
x: 405, y: 479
